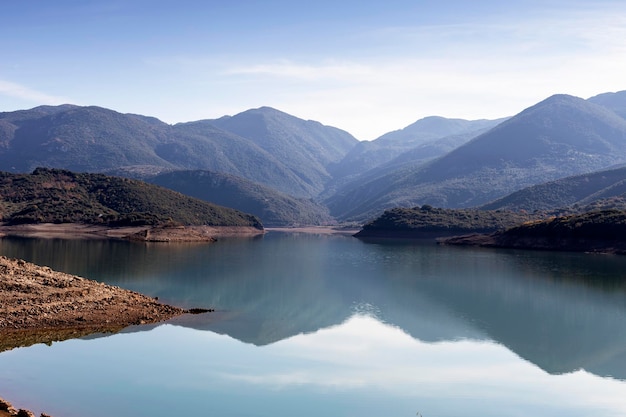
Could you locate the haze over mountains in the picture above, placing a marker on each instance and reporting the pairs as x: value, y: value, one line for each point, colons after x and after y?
x: 305, y: 168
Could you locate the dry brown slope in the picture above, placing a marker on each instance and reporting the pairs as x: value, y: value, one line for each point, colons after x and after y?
x: 39, y: 305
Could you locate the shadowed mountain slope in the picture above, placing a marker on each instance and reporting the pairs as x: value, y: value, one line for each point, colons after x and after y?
x: 579, y: 190
x: 612, y: 101
x: 272, y: 207
x: 306, y: 147
x: 425, y: 139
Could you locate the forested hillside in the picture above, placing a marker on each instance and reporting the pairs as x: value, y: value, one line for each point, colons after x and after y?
x: 60, y: 196
x: 427, y: 222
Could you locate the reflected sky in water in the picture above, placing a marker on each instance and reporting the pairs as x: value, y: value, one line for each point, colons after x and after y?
x: 329, y: 325
x: 361, y: 367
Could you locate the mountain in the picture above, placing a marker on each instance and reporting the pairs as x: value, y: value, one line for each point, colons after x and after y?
x: 579, y: 190
x: 272, y: 207
x: 94, y: 139
x: 200, y: 145
x: 306, y: 147
x: 77, y: 138
x: 435, y: 127
x: 60, y: 196
x: 613, y: 101
x: 560, y: 136
x: 426, y: 139
x: 408, y: 159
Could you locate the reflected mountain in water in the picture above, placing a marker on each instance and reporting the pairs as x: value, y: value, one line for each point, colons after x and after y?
x: 562, y: 312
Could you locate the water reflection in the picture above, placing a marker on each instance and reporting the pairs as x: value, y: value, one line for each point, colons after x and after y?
x: 362, y: 367
x: 563, y: 312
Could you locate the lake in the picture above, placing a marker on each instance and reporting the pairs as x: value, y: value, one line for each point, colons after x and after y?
x: 328, y: 325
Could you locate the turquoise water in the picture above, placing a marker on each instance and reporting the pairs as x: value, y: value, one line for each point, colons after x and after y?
x: 313, y: 325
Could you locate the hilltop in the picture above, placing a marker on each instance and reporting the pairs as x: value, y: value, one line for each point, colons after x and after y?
x: 429, y: 222
x: 60, y: 196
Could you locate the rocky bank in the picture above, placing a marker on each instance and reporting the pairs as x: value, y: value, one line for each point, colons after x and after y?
x: 7, y: 410
x: 39, y: 305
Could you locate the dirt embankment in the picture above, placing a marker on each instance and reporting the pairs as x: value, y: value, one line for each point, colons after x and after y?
x: 7, y: 410
x: 39, y: 305
x: 139, y: 233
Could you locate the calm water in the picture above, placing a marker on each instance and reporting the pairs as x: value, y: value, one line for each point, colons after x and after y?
x: 328, y: 325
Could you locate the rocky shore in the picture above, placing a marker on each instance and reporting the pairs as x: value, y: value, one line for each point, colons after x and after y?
x: 39, y: 305
x: 7, y: 410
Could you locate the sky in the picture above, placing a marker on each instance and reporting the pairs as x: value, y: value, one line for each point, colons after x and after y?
x: 368, y: 67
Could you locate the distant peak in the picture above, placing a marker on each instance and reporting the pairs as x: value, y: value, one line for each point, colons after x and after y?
x: 561, y: 98
x: 46, y: 109
x: 268, y: 108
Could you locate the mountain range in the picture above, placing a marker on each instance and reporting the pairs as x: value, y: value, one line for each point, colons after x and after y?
x: 292, y: 156
x: 558, y: 137
x: 317, y: 174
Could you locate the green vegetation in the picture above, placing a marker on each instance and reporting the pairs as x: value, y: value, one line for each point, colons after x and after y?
x: 602, y: 225
x: 59, y: 196
x: 272, y: 207
x: 596, y: 231
x: 429, y: 221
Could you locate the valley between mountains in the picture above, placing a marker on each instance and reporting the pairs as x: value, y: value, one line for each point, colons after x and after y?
x: 263, y: 167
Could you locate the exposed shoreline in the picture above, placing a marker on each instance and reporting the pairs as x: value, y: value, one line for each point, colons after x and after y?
x: 137, y: 233
x: 39, y: 305
x: 319, y: 230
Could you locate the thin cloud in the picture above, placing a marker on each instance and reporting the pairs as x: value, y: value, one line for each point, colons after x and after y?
x: 27, y: 94
x: 306, y: 72
x: 484, y: 69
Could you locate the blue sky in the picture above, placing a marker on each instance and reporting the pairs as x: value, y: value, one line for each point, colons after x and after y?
x: 368, y: 67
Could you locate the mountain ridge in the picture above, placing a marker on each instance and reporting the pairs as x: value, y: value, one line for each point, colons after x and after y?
x: 449, y: 163
x: 95, y: 139
x: 560, y: 136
